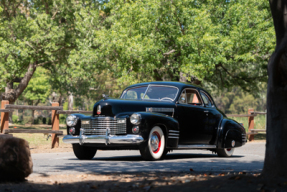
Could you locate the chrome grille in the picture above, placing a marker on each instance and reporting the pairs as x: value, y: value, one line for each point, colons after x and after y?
x: 99, y: 126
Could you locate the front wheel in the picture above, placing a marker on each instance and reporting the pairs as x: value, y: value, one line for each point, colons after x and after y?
x: 155, y: 147
x: 83, y: 152
x: 226, y: 152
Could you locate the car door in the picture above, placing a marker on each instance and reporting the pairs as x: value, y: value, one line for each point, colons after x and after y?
x: 213, y: 118
x: 191, y: 117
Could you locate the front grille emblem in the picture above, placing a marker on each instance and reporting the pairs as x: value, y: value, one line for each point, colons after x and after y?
x: 99, y: 109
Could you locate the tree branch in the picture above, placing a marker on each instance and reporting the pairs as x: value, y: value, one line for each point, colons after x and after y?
x: 246, y: 79
x: 25, y: 80
x: 170, y: 52
x: 27, y: 43
x: 52, y: 62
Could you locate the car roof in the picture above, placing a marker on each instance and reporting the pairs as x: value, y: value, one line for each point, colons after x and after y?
x: 177, y: 84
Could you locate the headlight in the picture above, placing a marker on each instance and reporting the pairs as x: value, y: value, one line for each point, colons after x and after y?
x: 135, y: 118
x: 71, y: 120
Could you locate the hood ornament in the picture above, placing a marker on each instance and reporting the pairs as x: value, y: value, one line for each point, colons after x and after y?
x: 105, y: 96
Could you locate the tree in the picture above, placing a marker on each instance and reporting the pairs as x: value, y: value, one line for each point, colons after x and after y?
x: 236, y: 101
x: 33, y: 33
x: 276, y: 145
x: 38, y: 89
x: 213, y: 42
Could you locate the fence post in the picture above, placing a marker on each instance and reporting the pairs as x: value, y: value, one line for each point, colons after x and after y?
x: 4, y: 116
x: 250, y: 124
x: 55, y: 126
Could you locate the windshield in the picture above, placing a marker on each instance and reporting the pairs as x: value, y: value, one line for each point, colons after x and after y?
x: 152, y: 92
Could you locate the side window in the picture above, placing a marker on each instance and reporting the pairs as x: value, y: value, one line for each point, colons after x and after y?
x: 189, y: 96
x: 192, y: 97
x: 206, y: 99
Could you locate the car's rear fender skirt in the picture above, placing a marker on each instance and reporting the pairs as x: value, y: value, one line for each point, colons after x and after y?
x: 168, y: 124
x: 230, y: 134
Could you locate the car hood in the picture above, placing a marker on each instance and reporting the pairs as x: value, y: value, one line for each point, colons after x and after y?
x: 112, y: 107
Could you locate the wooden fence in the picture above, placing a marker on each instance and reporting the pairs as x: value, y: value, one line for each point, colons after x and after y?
x: 251, y: 114
x: 56, y: 110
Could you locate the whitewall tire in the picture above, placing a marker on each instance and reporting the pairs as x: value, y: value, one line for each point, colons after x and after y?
x: 226, y: 152
x: 155, y: 146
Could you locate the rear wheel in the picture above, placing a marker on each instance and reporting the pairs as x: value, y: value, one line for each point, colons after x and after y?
x: 83, y: 152
x: 226, y: 152
x: 154, y: 149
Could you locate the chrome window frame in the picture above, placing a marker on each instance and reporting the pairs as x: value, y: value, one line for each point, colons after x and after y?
x: 199, y: 96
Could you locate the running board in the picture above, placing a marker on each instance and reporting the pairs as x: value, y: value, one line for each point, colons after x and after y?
x: 196, y: 147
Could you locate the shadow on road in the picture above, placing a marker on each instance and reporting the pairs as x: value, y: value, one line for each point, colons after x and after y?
x: 168, y: 157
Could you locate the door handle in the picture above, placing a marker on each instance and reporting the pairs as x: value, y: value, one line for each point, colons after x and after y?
x: 206, y: 111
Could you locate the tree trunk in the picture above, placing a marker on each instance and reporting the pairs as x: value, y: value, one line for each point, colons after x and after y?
x: 60, y: 100
x: 11, y: 94
x: 33, y: 111
x: 70, y: 102
x: 182, y: 77
x: 276, y: 144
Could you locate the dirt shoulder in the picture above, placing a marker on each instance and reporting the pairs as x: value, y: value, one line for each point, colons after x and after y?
x: 47, y: 148
x: 144, y: 182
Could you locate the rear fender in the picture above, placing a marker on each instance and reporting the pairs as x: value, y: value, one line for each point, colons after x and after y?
x: 230, y: 131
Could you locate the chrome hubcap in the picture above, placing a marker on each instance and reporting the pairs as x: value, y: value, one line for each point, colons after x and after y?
x: 154, y: 142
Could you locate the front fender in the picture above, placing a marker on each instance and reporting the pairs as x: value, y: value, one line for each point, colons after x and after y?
x: 169, y: 125
x: 229, y: 130
x: 78, y: 125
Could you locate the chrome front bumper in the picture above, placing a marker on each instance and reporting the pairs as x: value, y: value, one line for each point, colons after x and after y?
x: 103, y: 139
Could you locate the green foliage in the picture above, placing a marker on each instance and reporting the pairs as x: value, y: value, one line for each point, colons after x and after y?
x: 38, y: 33
x: 39, y: 87
x: 95, y: 47
x: 237, y: 101
x: 221, y: 43
x: 62, y: 119
x: 15, y: 118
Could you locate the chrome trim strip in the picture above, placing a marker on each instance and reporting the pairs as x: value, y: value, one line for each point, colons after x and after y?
x: 174, y: 131
x: 196, y: 146
x: 173, y: 134
x: 153, y: 109
x: 145, y: 92
x: 173, y: 137
x: 112, y: 139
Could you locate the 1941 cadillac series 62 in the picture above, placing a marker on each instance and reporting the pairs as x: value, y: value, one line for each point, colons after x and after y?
x: 155, y: 118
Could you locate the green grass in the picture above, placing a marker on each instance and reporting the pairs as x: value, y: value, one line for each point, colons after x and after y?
x: 259, y: 121
x: 36, y: 139
x: 35, y: 127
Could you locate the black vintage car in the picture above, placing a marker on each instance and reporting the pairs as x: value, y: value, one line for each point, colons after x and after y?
x: 155, y: 118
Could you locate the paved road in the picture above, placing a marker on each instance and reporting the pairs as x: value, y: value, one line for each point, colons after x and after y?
x: 248, y: 158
